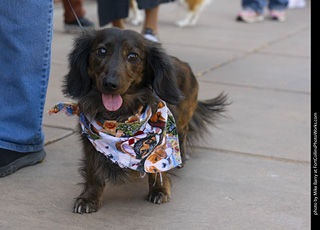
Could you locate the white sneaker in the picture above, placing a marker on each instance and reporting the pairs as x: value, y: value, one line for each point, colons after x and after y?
x: 148, y: 34
x: 249, y: 16
x: 278, y: 15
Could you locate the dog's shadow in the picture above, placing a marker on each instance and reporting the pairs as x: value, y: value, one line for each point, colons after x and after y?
x: 132, y: 193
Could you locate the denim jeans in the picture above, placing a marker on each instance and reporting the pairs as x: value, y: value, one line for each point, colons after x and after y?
x: 258, y: 5
x: 25, y: 55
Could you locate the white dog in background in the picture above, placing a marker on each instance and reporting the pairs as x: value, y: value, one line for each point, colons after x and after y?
x: 137, y: 15
x: 194, y: 8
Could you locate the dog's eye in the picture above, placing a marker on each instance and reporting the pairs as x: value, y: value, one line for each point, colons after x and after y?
x: 132, y: 57
x: 102, y: 52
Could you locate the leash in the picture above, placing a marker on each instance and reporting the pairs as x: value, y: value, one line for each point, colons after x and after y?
x: 74, y: 13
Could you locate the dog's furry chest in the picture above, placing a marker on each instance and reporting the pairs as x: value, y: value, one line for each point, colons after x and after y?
x: 104, y: 167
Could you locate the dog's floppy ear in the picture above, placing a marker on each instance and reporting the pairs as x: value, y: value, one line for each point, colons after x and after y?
x: 77, y: 82
x: 162, y: 70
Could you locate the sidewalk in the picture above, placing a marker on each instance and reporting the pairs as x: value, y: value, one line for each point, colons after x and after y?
x: 254, y: 171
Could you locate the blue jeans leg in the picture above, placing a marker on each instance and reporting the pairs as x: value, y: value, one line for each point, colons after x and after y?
x: 256, y: 5
x: 278, y: 4
x: 25, y: 44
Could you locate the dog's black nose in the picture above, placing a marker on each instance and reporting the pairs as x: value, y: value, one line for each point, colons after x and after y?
x: 110, y: 84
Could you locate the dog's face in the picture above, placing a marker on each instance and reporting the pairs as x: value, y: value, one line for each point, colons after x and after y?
x: 114, y: 63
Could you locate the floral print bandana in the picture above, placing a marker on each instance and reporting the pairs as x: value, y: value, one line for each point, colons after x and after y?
x: 146, y: 142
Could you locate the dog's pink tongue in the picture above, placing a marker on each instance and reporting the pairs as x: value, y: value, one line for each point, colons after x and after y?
x: 112, y: 102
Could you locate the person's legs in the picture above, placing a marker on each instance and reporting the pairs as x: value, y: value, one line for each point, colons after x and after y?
x: 150, y: 26
x: 118, y: 23
x: 70, y: 21
x: 255, y: 5
x: 277, y: 9
x: 77, y: 7
x: 111, y: 10
x: 25, y: 44
x: 151, y: 19
x: 252, y: 11
x: 278, y: 4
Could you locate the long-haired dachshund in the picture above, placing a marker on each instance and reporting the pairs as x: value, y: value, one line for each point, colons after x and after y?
x: 113, y: 74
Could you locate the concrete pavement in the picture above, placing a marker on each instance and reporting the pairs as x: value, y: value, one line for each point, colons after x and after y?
x: 254, y: 171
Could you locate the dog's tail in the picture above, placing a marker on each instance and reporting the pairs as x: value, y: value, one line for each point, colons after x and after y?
x: 207, y: 112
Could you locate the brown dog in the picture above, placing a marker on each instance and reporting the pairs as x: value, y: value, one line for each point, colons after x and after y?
x: 114, y: 73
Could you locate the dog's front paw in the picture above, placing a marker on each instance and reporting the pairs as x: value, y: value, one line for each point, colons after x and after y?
x: 159, y: 197
x: 83, y: 205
